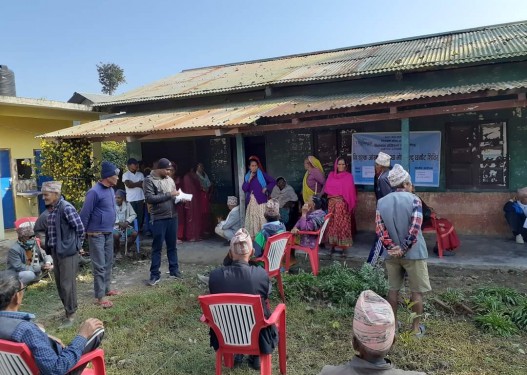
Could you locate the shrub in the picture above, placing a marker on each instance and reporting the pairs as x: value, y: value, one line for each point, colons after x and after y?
x: 504, y: 295
x: 496, y: 323
x: 452, y: 296
x: 519, y: 315
x: 115, y: 152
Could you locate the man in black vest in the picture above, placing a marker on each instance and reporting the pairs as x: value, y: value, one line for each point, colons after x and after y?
x: 64, y: 237
x: 50, y: 355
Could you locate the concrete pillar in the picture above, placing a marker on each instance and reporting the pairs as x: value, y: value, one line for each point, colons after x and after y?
x: 240, y: 168
x: 405, y: 143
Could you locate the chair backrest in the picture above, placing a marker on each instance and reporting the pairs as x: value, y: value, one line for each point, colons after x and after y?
x: 25, y: 221
x: 327, y: 218
x: 275, y: 248
x: 15, y: 358
x: 235, y: 318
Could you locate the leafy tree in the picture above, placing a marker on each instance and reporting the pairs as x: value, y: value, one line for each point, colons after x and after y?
x: 110, y: 76
x: 115, y: 152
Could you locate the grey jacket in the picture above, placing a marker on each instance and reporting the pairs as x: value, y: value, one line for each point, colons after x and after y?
x: 163, y: 204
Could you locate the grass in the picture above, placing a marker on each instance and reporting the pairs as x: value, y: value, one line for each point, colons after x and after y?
x: 156, y: 330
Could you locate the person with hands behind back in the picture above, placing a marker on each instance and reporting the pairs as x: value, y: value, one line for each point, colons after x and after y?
x: 398, y: 224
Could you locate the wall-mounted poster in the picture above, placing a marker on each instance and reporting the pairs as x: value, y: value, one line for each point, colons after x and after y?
x: 425, y: 151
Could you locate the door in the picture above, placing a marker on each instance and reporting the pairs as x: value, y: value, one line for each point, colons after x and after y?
x: 255, y: 145
x: 6, y: 189
x: 40, y: 179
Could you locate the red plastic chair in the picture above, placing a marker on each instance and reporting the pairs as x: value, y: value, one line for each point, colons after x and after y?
x: 15, y: 358
x: 312, y: 252
x: 237, y: 319
x: 434, y: 229
x: 30, y: 220
x: 275, y: 248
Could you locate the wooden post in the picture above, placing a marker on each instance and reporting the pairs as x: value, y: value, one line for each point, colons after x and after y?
x: 240, y: 167
x: 405, y: 144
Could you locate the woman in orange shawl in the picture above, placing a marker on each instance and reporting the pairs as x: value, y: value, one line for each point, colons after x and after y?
x: 342, y: 197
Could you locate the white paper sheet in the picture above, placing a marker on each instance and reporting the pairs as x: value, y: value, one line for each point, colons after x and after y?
x: 183, y: 197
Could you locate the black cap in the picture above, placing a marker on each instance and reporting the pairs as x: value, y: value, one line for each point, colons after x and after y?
x: 163, y: 163
x: 132, y: 161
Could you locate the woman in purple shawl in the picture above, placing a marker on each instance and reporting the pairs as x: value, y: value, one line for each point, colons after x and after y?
x: 257, y: 187
x: 342, y: 197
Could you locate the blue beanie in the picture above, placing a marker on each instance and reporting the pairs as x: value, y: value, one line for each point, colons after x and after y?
x: 108, y: 170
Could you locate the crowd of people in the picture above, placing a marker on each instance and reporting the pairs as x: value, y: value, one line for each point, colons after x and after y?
x: 151, y: 203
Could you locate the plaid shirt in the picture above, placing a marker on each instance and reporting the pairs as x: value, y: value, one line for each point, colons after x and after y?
x: 413, y: 230
x: 47, y: 360
x: 73, y: 219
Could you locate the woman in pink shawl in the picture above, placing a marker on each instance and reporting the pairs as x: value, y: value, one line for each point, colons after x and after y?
x: 340, y: 189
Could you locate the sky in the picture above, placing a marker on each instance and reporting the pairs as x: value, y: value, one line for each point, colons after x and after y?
x: 53, y: 46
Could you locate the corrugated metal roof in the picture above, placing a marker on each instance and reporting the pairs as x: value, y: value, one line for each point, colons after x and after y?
x: 248, y: 113
x: 428, y: 52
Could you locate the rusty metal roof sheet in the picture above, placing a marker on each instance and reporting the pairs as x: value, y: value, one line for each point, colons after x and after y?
x: 244, y: 114
x: 479, y: 45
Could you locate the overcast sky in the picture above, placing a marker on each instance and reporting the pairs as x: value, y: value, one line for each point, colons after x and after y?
x: 53, y: 46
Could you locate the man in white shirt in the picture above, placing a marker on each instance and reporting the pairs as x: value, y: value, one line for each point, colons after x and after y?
x: 133, y: 181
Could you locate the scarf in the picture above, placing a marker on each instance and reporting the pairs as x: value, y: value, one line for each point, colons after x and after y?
x: 341, y: 184
x: 286, y: 195
x: 259, y: 176
x: 307, y: 193
x: 204, y: 180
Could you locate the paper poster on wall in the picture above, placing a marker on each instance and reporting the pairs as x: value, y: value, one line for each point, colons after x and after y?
x: 425, y: 151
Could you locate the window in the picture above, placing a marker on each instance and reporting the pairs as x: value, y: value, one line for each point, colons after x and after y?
x: 476, y: 156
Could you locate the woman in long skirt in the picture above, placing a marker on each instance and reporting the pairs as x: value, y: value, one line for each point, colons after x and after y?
x: 342, y: 197
x: 257, y: 187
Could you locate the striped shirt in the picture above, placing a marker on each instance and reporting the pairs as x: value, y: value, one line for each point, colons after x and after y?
x: 73, y: 219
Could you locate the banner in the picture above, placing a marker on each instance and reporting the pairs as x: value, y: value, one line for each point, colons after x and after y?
x: 425, y: 151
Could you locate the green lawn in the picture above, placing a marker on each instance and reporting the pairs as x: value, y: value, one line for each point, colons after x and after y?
x: 156, y: 330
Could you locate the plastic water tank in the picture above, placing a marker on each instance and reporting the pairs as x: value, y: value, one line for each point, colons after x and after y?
x: 7, y: 81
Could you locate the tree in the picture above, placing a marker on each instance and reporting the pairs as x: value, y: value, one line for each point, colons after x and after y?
x: 115, y: 152
x: 110, y: 76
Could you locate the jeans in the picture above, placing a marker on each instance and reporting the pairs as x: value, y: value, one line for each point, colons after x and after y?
x: 139, y: 208
x: 515, y: 220
x: 101, y: 254
x: 164, y: 230
x: 26, y: 277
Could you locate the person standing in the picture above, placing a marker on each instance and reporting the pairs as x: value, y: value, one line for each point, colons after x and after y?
x: 342, y: 197
x: 398, y: 224
x: 314, y: 178
x: 205, y: 194
x: 193, y: 212
x: 257, y: 187
x: 160, y: 192
x: 178, y: 181
x: 98, y: 216
x: 64, y: 238
x: 133, y: 181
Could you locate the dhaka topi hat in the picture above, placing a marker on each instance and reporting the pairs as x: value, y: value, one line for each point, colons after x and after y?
x: 374, y: 322
x: 164, y: 163
x: 272, y: 207
x: 232, y: 200
x: 51, y: 187
x: 121, y: 193
x: 241, y: 242
x: 108, y: 170
x: 383, y: 159
x: 132, y: 161
x: 398, y: 175
x: 25, y: 231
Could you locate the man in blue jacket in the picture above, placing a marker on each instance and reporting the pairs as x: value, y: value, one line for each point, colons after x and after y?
x: 98, y: 217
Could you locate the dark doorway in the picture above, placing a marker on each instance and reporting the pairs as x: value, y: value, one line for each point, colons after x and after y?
x: 255, y: 146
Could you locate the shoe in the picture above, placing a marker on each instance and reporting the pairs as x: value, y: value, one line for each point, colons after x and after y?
x: 154, y: 281
x: 519, y: 239
x: 67, y: 322
x: 254, y: 362
x: 238, y: 359
x: 204, y: 279
x: 176, y: 275
x: 105, y: 304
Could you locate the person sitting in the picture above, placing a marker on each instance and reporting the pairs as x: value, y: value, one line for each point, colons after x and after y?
x: 124, y: 218
x: 51, y: 356
x: 311, y: 220
x: 26, y: 258
x: 272, y: 227
x: 286, y: 196
x: 516, y: 215
x: 226, y: 228
x: 241, y: 277
x: 373, y: 336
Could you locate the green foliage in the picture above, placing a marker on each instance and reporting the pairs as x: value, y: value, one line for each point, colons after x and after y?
x: 337, y: 284
x: 519, y: 315
x: 504, y: 295
x: 452, y: 296
x: 110, y: 77
x: 115, y: 152
x: 496, y: 323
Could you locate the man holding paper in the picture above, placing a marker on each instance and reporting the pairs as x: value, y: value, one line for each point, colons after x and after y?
x: 160, y: 191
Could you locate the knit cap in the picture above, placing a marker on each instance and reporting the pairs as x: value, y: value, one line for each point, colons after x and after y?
x: 398, y: 175
x: 108, y: 170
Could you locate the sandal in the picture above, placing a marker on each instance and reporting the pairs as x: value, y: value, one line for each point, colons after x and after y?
x: 104, y: 304
x: 113, y: 293
x: 421, y: 333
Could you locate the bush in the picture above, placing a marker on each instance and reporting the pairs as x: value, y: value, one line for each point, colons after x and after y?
x: 519, y: 315
x: 115, y: 152
x: 497, y: 323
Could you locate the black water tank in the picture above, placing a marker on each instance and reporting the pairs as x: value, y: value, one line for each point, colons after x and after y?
x: 7, y: 81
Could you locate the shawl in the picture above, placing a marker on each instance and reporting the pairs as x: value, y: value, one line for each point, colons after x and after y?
x: 204, y: 180
x: 341, y: 184
x: 259, y: 174
x: 286, y: 195
x: 306, y: 190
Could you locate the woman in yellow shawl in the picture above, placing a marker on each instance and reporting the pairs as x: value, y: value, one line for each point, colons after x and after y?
x: 314, y: 179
